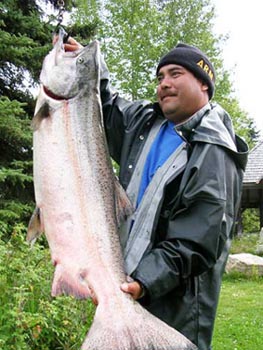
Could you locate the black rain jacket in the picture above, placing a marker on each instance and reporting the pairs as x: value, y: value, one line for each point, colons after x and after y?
x: 182, y: 271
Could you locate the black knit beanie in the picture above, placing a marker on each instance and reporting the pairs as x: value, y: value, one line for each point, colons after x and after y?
x: 194, y: 60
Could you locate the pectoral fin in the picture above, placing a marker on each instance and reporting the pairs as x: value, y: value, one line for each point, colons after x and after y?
x: 123, y: 205
x: 35, y: 228
x: 42, y: 112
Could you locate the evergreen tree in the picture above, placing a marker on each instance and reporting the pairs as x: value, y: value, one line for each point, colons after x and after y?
x: 24, y: 40
x: 26, y: 29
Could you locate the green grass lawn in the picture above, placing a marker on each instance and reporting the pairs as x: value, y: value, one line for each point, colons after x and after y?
x: 239, y: 323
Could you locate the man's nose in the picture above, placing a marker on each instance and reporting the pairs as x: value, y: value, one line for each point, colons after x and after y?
x: 165, y: 82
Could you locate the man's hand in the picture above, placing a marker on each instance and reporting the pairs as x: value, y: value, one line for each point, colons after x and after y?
x: 70, y: 45
x: 133, y: 288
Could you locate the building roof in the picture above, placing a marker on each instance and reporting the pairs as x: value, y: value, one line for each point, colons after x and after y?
x: 254, y: 168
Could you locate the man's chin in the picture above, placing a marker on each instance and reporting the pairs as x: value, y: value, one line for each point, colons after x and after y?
x: 169, y: 111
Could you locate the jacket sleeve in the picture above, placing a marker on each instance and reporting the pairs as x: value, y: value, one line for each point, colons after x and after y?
x: 121, y: 117
x: 198, y: 229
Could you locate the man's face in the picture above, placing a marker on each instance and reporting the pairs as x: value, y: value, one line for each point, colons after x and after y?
x: 180, y: 94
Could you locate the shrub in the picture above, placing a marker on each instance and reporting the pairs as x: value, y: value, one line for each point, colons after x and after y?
x: 29, y: 317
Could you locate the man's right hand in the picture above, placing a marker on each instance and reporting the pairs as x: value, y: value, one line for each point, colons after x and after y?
x: 70, y: 45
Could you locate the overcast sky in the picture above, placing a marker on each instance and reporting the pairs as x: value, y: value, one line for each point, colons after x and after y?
x: 243, y: 21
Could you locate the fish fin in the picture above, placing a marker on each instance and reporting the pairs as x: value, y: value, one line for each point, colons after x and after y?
x: 35, y: 227
x: 64, y: 283
x: 123, y: 204
x: 133, y: 329
x: 41, y: 113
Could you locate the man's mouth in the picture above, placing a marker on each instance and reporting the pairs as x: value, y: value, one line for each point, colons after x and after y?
x: 166, y: 96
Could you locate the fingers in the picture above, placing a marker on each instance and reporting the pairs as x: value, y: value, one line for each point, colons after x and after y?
x: 93, y: 297
x: 95, y: 301
x: 70, y: 45
x: 133, y: 288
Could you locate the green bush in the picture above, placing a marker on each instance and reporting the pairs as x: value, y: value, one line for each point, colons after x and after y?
x: 247, y: 243
x: 29, y: 317
x: 250, y: 220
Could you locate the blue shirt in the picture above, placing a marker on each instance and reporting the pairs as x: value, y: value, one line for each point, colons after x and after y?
x: 165, y: 143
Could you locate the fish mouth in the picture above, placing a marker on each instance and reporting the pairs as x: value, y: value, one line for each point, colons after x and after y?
x: 52, y: 95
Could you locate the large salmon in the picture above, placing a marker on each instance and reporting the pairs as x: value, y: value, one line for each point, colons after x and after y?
x: 79, y: 204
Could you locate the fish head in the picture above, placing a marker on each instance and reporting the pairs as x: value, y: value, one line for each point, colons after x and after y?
x: 65, y: 75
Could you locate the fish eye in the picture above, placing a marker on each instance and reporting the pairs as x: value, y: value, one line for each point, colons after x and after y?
x: 80, y: 60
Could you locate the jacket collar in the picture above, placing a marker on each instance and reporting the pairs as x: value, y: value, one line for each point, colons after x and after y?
x: 190, y: 122
x: 190, y: 125
x: 211, y: 124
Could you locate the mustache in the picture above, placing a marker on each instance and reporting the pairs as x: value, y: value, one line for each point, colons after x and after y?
x: 164, y: 95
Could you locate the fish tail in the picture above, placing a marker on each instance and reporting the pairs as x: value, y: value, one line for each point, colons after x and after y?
x: 133, y: 331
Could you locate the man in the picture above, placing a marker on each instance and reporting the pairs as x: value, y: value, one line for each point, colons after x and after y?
x: 182, y: 167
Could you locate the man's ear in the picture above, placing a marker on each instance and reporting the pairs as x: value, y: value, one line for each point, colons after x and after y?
x: 204, y: 86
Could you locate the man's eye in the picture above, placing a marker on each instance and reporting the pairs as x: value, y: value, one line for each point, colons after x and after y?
x: 159, y: 79
x: 175, y: 74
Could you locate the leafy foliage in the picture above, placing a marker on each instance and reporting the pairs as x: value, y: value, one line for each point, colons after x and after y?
x: 16, y: 188
x: 251, y: 220
x: 135, y: 34
x: 29, y: 317
x: 15, y: 132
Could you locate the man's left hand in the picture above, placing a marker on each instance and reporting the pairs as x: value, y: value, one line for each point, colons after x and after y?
x: 133, y: 288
